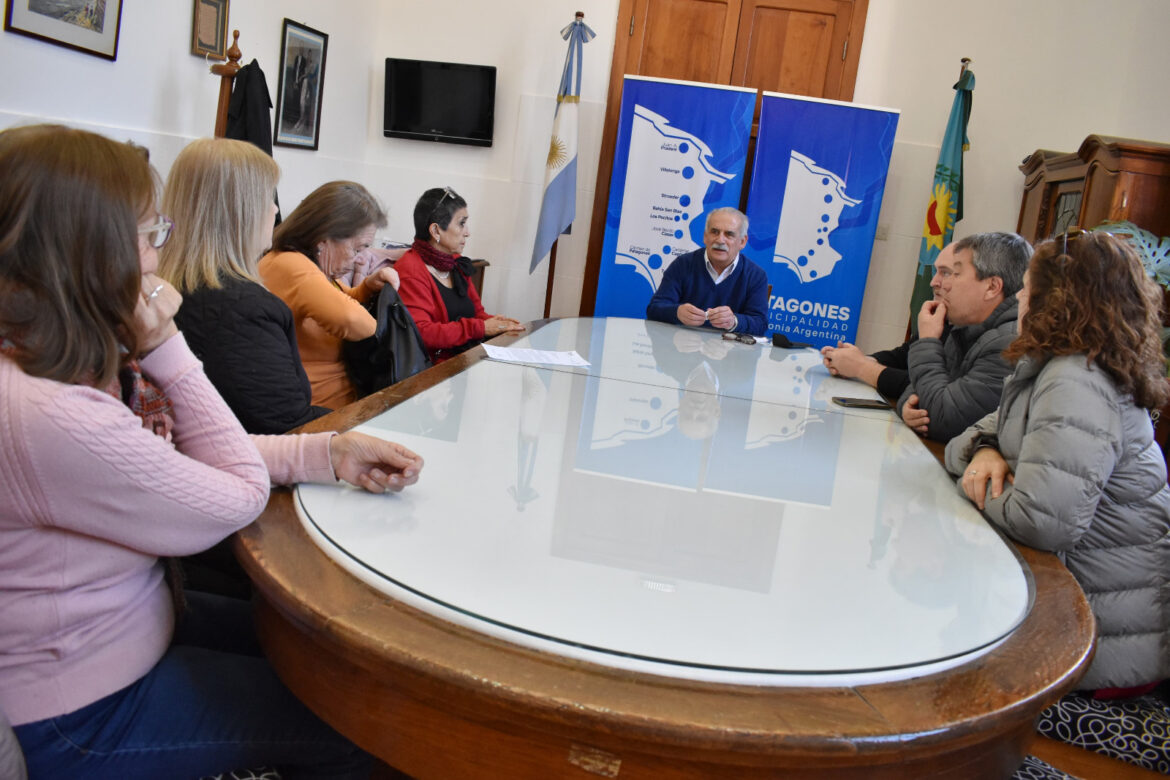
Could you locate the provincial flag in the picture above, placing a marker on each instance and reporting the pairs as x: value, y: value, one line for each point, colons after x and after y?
x: 559, y: 205
x: 946, y: 197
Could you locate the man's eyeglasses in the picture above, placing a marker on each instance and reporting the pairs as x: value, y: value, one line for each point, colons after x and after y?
x: 158, y: 233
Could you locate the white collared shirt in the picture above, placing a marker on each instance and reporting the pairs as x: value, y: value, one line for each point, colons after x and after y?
x: 716, y: 276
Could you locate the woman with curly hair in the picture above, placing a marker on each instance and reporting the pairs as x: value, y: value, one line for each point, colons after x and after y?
x: 1070, y: 454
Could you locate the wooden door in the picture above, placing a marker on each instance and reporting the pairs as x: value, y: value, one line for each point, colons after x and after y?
x: 802, y: 47
x: 794, y: 46
x: 690, y: 40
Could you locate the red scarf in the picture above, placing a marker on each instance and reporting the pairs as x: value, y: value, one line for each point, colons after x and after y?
x: 443, y: 262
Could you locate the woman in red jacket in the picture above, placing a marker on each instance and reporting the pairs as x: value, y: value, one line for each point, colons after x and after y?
x: 435, y: 280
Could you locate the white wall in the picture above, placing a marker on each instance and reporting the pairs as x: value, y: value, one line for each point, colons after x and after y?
x: 158, y: 94
x: 1049, y: 72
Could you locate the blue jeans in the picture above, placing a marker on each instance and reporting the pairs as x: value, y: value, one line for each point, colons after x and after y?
x: 210, y: 705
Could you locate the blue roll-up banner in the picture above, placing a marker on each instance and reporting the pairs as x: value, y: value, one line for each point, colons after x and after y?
x: 816, y: 190
x: 681, y: 152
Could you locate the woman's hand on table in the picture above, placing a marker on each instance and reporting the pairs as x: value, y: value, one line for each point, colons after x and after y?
x: 988, y: 465
x: 373, y: 464
x: 154, y: 314
x: 494, y: 326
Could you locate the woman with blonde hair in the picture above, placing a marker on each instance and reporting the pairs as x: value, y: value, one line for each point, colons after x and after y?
x: 220, y: 194
x: 313, y: 250
x: 117, y: 452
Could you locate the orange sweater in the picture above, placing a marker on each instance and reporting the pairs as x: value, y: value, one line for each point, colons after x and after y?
x: 325, y: 314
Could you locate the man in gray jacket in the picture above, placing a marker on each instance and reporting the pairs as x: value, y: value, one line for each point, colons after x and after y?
x: 956, y: 379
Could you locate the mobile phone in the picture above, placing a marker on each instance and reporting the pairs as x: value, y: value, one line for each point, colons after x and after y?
x: 861, y: 403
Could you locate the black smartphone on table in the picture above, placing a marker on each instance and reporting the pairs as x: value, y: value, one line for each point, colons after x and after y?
x: 861, y: 403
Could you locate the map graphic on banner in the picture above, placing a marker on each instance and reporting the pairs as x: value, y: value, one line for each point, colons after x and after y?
x: 814, y: 199
x: 681, y: 152
x: 677, y: 174
x: 817, y: 184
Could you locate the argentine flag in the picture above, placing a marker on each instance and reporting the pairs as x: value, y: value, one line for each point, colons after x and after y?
x: 559, y: 205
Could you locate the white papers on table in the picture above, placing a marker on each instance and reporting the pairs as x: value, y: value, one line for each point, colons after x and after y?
x: 509, y: 355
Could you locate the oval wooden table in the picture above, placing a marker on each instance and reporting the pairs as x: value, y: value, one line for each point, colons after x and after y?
x: 437, y: 700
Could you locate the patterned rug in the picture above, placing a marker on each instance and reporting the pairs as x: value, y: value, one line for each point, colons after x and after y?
x: 1035, y: 769
x: 1136, y: 730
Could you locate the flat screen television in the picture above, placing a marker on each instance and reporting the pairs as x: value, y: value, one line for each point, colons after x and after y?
x: 440, y: 101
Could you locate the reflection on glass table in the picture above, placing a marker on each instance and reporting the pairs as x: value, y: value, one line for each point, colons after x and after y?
x: 683, y: 505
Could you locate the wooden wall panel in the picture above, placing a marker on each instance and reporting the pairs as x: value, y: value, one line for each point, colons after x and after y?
x: 792, y: 46
x: 690, y: 40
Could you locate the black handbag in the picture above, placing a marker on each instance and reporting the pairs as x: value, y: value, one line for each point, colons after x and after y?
x: 393, y: 353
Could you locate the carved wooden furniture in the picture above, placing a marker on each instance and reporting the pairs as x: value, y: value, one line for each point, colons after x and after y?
x: 227, y: 72
x: 438, y: 700
x: 1107, y: 179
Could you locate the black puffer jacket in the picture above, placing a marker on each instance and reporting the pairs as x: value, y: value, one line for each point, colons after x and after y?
x: 244, y: 335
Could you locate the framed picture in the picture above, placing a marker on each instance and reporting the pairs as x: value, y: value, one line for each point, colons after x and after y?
x: 209, y: 28
x: 302, y: 79
x: 89, y: 26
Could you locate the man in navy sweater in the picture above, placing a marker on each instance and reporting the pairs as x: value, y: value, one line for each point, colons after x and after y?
x: 716, y: 286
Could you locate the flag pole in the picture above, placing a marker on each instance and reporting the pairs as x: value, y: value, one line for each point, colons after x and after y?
x: 558, y: 204
x: 945, y: 206
x: 548, y: 286
x: 552, y: 252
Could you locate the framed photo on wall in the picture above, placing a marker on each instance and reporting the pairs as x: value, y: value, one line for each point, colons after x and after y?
x: 302, y: 79
x: 89, y: 26
x: 209, y: 28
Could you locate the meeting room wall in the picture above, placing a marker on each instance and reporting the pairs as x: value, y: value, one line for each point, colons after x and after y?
x: 1049, y: 72
x: 158, y: 94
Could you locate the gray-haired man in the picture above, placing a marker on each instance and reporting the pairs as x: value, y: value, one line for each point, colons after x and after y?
x: 953, y: 371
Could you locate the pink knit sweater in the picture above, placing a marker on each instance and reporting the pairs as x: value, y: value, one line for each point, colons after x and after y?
x: 88, y: 501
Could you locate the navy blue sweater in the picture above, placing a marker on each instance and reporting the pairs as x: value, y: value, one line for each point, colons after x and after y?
x: 686, y: 280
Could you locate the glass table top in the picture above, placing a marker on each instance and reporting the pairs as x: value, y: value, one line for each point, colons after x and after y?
x: 684, y: 505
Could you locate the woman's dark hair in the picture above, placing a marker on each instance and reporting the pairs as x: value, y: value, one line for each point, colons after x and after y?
x: 435, y: 206
x: 1093, y: 296
x: 336, y: 210
x: 70, y: 274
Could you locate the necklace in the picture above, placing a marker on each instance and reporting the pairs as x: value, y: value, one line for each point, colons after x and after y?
x: 442, y: 275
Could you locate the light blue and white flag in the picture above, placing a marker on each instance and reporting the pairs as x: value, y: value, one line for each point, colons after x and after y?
x: 559, y: 205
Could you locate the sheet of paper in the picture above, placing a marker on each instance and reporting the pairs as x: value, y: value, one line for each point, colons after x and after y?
x: 547, y: 357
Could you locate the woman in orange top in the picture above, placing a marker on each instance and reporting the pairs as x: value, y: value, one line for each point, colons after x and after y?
x: 311, y: 250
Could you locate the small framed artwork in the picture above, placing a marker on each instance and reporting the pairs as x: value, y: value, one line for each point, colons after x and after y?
x: 302, y: 79
x: 209, y: 28
x: 89, y: 26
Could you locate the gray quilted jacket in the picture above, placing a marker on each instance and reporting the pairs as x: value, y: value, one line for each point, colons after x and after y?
x: 958, y: 378
x: 1090, y: 485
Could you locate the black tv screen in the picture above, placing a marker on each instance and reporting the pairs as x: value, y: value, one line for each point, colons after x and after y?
x: 440, y: 101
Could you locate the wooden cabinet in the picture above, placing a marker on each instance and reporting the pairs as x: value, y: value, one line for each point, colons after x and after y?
x: 1107, y: 179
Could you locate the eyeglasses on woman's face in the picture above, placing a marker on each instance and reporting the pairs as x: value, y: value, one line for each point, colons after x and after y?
x: 159, y: 233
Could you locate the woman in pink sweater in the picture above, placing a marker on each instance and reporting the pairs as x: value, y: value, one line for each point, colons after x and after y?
x: 116, y: 451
